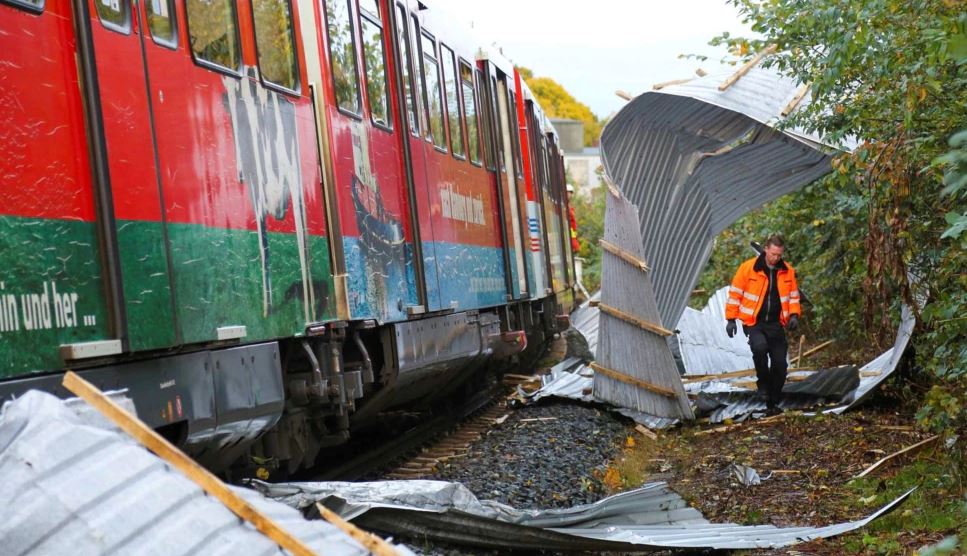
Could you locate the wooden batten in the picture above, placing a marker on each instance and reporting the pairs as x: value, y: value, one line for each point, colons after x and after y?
x: 619, y: 376
x: 747, y: 67
x: 631, y: 319
x: 663, y: 84
x: 177, y: 459
x: 800, y: 94
x: 625, y: 256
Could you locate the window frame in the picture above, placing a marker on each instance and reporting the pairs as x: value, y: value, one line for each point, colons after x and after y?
x: 27, y: 7
x: 411, y: 105
x: 332, y: 79
x: 120, y: 29
x: 218, y: 68
x: 459, y: 107
x: 515, y: 144
x: 463, y: 63
x: 445, y: 147
x: 268, y: 84
x: 388, y: 126
x: 173, y: 43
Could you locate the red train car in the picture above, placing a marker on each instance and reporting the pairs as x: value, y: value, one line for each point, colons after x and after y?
x: 268, y: 219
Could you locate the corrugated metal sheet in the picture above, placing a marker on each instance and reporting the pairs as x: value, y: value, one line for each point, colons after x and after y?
x: 694, y: 159
x: 705, y: 347
x: 721, y: 399
x: 73, y: 487
x: 625, y: 347
x: 648, y: 518
x: 885, y: 364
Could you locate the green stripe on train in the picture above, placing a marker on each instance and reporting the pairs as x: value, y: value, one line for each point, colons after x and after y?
x: 51, y: 287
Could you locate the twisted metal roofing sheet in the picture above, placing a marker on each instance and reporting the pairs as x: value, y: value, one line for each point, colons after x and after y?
x: 695, y: 159
x: 648, y: 518
x: 705, y: 347
x: 628, y: 343
x: 73, y: 484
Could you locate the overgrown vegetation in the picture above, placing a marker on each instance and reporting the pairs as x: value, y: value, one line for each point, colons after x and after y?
x: 889, y: 225
x: 589, y: 211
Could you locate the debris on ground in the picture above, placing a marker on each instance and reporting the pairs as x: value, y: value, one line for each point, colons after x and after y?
x: 75, y: 484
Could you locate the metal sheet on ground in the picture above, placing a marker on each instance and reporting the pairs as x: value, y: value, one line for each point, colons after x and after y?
x: 76, y: 485
x: 648, y: 518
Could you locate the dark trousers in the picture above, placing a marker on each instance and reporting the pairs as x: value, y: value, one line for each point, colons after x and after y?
x: 769, y: 347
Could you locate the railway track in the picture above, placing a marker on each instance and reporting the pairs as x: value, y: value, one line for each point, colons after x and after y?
x: 439, y: 438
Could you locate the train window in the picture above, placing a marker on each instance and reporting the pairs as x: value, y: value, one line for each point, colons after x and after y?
x: 114, y: 14
x: 342, y: 55
x: 374, y: 62
x: 213, y: 33
x: 35, y: 6
x: 497, y: 102
x: 431, y: 74
x: 406, y: 58
x: 161, y: 22
x: 470, y: 111
x: 423, y: 111
x: 515, y: 134
x: 486, y: 120
x: 371, y: 6
x: 275, y: 42
x: 453, y: 101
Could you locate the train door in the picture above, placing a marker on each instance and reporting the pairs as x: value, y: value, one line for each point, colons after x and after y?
x: 507, y: 178
x: 417, y: 126
x: 537, y: 264
x: 52, y: 296
x: 139, y: 278
x: 434, y: 147
x: 368, y: 165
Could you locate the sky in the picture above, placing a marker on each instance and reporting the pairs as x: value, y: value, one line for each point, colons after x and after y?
x: 595, y: 48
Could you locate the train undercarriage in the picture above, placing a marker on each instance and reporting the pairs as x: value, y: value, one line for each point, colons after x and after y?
x: 272, y: 408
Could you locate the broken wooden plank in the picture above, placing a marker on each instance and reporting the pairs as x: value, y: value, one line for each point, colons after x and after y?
x: 747, y: 67
x: 633, y: 381
x: 645, y: 431
x: 631, y: 319
x: 177, y: 459
x: 897, y: 454
x: 800, y: 94
x: 824, y: 345
x: 663, y: 84
x: 370, y: 542
x: 538, y: 419
x: 690, y: 379
x: 625, y: 256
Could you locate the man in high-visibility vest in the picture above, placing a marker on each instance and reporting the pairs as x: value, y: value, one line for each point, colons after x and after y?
x: 765, y: 296
x: 572, y: 220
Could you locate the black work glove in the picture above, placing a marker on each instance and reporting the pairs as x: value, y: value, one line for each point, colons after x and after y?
x: 793, y: 323
x: 730, y: 328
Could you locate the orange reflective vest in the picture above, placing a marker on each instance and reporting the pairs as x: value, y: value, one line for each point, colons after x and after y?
x: 751, y: 286
x: 574, y: 230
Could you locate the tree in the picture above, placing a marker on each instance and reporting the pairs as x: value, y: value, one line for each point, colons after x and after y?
x: 558, y: 103
x: 589, y: 212
x: 892, y: 74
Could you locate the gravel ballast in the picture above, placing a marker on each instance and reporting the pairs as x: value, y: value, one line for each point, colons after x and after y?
x: 551, y: 455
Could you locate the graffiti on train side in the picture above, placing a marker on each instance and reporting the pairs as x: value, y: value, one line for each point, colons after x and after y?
x: 386, y: 283
x: 267, y: 151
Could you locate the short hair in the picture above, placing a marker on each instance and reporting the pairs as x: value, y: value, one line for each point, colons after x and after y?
x: 775, y: 239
